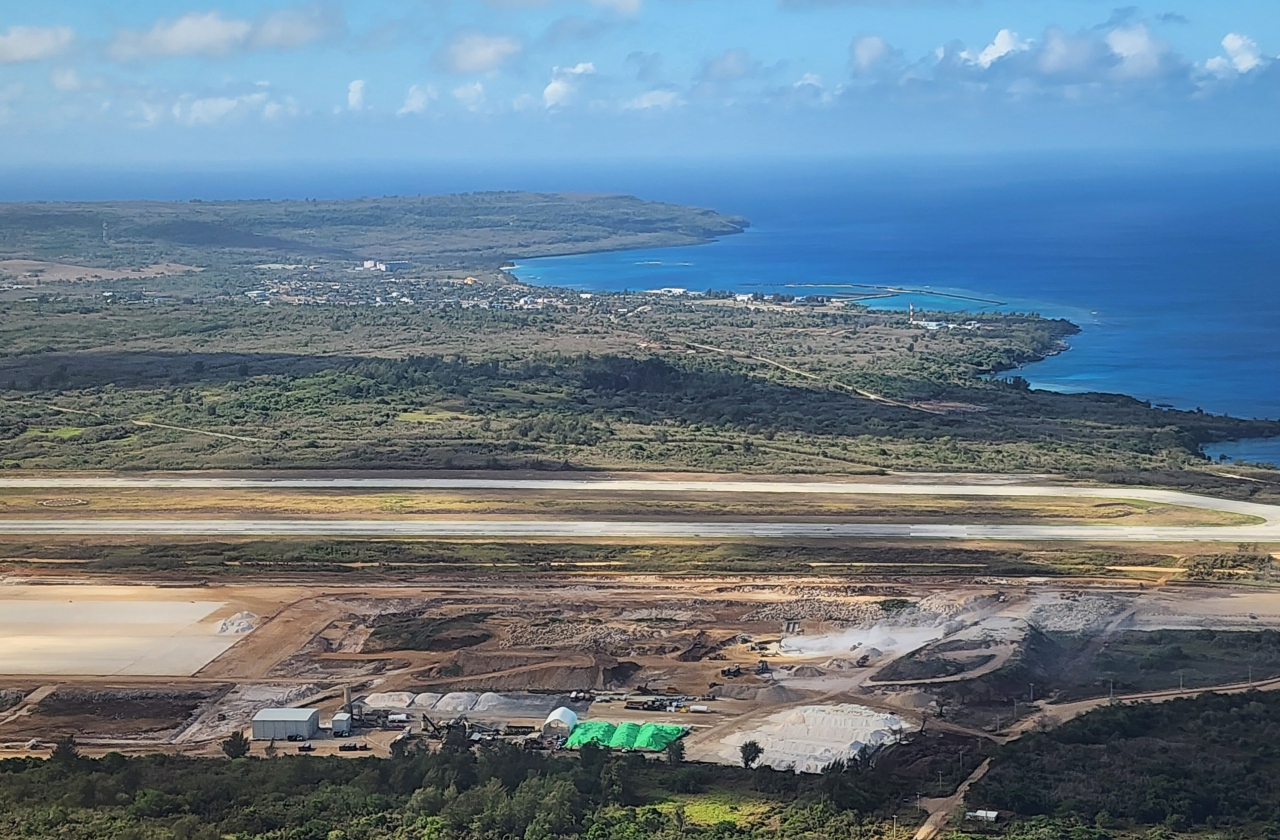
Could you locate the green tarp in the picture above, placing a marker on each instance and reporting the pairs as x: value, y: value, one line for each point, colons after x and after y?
x: 652, y: 737
x: 624, y: 737
x: 591, y: 732
x: 656, y: 737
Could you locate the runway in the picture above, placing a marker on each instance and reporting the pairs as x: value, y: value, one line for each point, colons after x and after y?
x: 1268, y: 531
x: 520, y: 529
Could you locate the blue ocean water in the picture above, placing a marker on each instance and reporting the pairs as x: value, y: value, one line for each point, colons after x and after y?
x: 1172, y: 269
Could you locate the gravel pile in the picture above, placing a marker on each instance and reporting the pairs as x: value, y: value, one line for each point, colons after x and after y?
x: 816, y: 609
x: 930, y: 610
x: 808, y: 738
x: 1072, y: 613
x: 604, y: 638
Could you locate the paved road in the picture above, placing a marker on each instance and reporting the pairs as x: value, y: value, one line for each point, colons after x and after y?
x: 953, y: 487
x: 1269, y: 531
x: 515, y: 529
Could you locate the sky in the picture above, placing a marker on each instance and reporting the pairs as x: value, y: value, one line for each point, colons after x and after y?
x: 252, y: 83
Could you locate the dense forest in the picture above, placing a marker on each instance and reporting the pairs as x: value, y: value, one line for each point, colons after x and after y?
x: 494, y: 791
x: 1212, y: 762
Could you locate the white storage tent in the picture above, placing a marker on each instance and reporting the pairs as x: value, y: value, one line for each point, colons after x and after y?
x: 560, y: 722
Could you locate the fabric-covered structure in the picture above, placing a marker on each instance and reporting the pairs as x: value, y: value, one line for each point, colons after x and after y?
x: 561, y: 721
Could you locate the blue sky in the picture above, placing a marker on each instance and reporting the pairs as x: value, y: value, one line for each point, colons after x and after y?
x: 149, y: 82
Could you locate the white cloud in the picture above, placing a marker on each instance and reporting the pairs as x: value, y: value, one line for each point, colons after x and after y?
x: 870, y: 52
x: 195, y: 33
x: 475, y: 52
x: 416, y: 101
x: 274, y: 110
x: 564, y: 84
x: 1005, y: 43
x: 289, y: 29
x: 1243, y: 55
x: 355, y: 95
x: 208, y: 110
x: 626, y: 7
x: 65, y: 78
x: 211, y: 34
x: 470, y: 95
x: 661, y: 99
x: 32, y: 43
x: 1064, y: 54
x: 1141, y: 55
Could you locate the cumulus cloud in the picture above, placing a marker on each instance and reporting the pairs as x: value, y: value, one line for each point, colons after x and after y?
x: 1243, y: 56
x: 654, y: 99
x: 563, y: 86
x: 197, y: 111
x: 291, y: 28
x: 32, y: 43
x: 472, y: 96
x: 417, y: 100
x: 210, y: 34
x: 1005, y: 43
x: 870, y: 53
x: 355, y: 95
x: 476, y: 52
x: 1140, y: 54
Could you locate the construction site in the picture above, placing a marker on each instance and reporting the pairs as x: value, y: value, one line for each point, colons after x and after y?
x: 811, y: 669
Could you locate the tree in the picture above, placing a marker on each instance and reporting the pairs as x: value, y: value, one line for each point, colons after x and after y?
x: 751, y: 753
x: 675, y: 752
x: 237, y: 746
x: 65, y: 751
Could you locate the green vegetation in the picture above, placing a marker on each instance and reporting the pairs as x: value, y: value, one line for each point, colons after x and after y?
x: 493, y: 792
x: 225, y: 384
x: 476, y: 230
x: 1207, y: 763
x: 1062, y: 667
x: 1161, y: 659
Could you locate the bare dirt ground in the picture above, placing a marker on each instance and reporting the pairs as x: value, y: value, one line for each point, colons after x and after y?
x: 54, y: 272
x: 885, y: 646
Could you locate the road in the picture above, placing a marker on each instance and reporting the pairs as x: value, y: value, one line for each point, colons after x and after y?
x: 1267, y: 531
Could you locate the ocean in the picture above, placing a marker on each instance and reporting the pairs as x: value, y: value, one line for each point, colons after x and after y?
x: 1170, y: 266
x: 1172, y: 269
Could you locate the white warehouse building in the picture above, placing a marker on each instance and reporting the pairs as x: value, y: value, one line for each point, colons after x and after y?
x: 281, y: 724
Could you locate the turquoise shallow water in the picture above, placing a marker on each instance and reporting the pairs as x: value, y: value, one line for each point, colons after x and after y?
x: 1172, y: 272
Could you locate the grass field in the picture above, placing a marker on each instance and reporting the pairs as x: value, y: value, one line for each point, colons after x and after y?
x: 720, y: 805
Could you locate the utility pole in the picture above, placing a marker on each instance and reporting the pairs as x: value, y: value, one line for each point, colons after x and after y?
x: 1033, y: 692
x: 1111, y: 693
x: 1180, y: 686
